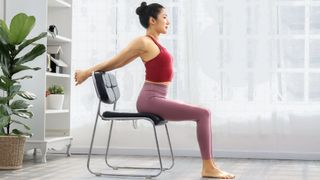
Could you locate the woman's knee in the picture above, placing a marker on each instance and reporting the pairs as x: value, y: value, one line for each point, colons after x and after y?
x: 205, y: 112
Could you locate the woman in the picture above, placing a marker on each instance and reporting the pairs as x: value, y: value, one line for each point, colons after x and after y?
x: 159, y: 74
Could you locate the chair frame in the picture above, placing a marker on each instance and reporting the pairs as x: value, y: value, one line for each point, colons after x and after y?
x: 112, y: 119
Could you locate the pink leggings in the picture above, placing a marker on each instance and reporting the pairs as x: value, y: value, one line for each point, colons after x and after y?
x: 153, y: 99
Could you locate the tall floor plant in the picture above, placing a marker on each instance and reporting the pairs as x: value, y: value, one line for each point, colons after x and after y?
x: 13, y: 58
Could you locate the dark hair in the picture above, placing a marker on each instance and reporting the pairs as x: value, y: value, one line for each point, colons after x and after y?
x: 146, y: 11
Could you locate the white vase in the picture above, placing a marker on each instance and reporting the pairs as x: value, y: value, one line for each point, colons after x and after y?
x: 55, y: 101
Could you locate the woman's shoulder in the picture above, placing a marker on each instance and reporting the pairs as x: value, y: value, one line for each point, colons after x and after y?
x: 141, y: 41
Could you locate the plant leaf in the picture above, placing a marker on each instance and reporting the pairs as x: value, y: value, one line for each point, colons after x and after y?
x: 4, y: 100
x: 3, y: 85
x: 23, y: 113
x: 24, y: 77
x: 4, y: 121
x: 21, y: 123
x: 5, y: 110
x: 17, y: 68
x: 2, y: 132
x: 14, y: 89
x: 7, y: 81
x: 20, y: 27
x: 27, y: 95
x: 28, y: 42
x: 4, y: 32
x: 4, y: 49
x: 18, y: 132
x: 20, y: 104
x: 34, y: 53
x: 4, y: 64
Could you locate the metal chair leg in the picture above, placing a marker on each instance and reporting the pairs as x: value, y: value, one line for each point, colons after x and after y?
x: 108, y: 145
x: 159, y: 155
x: 169, y: 141
x: 134, y: 167
x: 91, y: 144
x: 123, y: 175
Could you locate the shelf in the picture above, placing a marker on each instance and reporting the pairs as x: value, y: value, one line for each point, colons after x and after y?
x: 51, y: 139
x: 58, y: 3
x: 57, y: 138
x: 55, y: 111
x: 58, y: 39
x: 49, y: 74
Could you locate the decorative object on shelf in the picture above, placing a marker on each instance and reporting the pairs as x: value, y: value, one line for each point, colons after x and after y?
x: 55, y: 63
x: 53, y: 30
x: 13, y: 42
x: 55, y: 97
x: 48, y: 63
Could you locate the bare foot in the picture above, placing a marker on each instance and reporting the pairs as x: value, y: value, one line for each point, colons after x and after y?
x: 217, y: 173
x: 210, y: 170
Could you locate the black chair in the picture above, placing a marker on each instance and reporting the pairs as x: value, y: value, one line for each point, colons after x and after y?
x: 108, y: 92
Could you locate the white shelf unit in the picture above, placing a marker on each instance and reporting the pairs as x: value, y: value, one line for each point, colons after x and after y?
x: 57, y: 127
x: 59, y: 3
x: 49, y: 74
x: 57, y: 40
x: 50, y: 128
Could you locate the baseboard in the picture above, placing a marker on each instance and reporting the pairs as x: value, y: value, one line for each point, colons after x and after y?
x: 195, y: 153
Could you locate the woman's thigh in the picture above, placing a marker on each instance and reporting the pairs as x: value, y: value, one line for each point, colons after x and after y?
x: 174, y: 110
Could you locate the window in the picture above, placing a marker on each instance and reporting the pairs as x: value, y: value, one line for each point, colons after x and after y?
x: 298, y: 53
x: 257, y: 51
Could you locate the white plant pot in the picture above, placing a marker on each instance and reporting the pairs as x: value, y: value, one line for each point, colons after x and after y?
x: 55, y: 101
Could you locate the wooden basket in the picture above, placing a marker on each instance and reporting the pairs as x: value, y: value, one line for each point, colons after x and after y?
x: 11, y: 151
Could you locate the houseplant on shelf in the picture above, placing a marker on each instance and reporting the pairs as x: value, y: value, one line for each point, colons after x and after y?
x: 14, y: 106
x: 55, y: 97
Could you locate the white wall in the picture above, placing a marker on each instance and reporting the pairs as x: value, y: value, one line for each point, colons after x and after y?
x: 1, y: 9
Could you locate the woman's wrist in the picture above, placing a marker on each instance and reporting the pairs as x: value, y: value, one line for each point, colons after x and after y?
x: 88, y: 72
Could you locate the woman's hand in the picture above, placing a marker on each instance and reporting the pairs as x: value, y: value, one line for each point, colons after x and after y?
x: 81, y: 75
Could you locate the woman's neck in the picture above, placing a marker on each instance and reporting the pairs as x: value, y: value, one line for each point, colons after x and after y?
x: 153, y: 34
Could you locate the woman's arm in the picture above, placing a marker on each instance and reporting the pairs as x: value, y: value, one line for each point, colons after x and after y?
x: 125, y: 56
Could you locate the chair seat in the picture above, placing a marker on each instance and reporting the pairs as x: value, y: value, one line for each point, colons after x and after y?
x: 158, y: 120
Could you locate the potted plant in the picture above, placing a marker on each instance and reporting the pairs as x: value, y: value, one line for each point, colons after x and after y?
x: 14, y: 106
x: 55, y: 97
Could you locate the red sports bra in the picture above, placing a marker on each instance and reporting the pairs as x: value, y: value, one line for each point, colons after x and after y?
x: 160, y: 68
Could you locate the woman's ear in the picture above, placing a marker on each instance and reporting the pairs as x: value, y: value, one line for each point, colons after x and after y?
x: 152, y: 20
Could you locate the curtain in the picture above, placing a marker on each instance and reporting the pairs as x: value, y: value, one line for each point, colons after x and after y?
x: 93, y: 40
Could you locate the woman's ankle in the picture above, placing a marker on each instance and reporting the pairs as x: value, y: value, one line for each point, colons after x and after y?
x: 208, y: 164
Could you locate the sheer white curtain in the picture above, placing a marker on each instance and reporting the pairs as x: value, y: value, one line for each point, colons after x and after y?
x: 93, y: 40
x: 231, y: 57
x: 254, y: 63
x: 257, y: 54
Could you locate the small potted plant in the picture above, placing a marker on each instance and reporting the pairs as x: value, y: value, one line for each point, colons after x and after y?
x: 14, y: 101
x: 55, y: 97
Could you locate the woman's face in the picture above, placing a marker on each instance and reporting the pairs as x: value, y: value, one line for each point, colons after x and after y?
x: 162, y: 22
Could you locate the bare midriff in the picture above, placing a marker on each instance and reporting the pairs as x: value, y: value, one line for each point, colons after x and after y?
x: 164, y: 83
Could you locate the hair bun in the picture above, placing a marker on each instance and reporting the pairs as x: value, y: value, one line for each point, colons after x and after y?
x: 141, y: 10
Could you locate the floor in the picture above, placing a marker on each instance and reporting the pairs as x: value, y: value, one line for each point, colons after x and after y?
x: 186, y: 168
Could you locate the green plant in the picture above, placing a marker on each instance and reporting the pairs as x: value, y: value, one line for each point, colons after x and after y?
x: 56, y: 89
x: 12, y: 61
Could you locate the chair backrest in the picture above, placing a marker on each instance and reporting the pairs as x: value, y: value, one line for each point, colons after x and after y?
x: 106, y: 87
